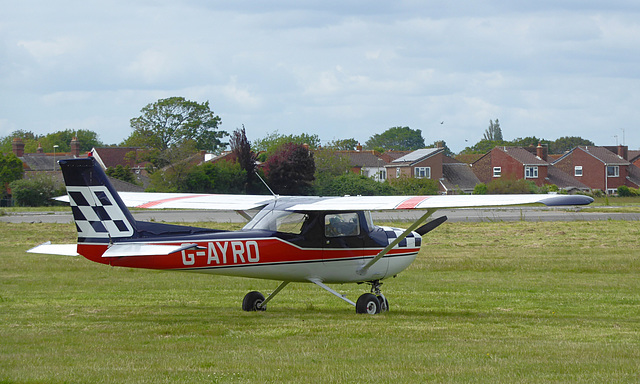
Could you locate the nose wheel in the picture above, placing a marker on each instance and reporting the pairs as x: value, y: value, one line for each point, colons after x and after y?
x: 374, y: 302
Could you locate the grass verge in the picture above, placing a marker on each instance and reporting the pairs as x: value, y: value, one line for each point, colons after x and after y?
x: 484, y: 303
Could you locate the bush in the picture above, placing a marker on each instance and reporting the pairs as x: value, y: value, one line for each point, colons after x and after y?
x: 36, y: 192
x: 413, y: 186
x: 511, y: 186
x: 480, y: 189
x: 624, y: 191
x: 354, y: 185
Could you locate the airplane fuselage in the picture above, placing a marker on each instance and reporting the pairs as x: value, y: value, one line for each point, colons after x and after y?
x: 266, y: 255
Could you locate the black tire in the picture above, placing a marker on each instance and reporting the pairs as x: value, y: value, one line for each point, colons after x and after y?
x: 384, y: 304
x: 252, y: 301
x: 368, y: 303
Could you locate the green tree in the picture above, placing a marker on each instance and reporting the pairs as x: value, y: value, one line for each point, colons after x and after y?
x: 494, y: 132
x: 124, y: 173
x: 88, y: 140
x: 329, y: 164
x: 273, y: 141
x: 36, y: 192
x: 484, y: 146
x: 219, y: 177
x: 343, y: 144
x: 171, y: 122
x: 11, y: 169
x: 442, y: 144
x: 397, y: 139
x: 566, y: 143
x: 290, y: 170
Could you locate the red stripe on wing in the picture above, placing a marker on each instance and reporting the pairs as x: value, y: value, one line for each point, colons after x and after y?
x: 158, y: 202
x: 412, y: 202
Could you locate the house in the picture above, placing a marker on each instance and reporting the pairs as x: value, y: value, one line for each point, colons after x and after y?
x: 367, y: 163
x: 453, y: 176
x: 41, y: 163
x: 457, y: 177
x: 422, y: 163
x: 603, y: 168
x: 523, y: 163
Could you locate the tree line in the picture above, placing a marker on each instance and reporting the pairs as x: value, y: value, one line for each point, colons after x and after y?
x: 173, y: 129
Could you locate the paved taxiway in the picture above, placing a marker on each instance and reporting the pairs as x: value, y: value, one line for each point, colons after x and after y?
x: 454, y: 215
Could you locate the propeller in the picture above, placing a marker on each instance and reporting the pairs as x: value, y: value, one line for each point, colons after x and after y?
x: 430, y: 226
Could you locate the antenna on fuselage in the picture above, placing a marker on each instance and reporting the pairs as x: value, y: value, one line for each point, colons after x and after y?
x: 266, y: 185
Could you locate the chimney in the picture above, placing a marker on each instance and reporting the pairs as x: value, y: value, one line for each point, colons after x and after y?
x: 75, y: 147
x: 623, y: 151
x: 40, y: 150
x: 359, y: 147
x: 541, y: 152
x: 18, y: 147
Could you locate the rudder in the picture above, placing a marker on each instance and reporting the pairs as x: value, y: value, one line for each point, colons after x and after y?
x: 98, y: 211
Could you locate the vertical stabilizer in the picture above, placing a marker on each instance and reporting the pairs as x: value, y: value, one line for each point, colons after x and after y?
x: 98, y: 211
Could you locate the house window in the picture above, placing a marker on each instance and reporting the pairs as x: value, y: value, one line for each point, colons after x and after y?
x: 530, y: 172
x: 613, y: 171
x: 577, y: 171
x: 398, y: 173
x: 382, y: 175
x: 497, y: 171
x: 422, y: 172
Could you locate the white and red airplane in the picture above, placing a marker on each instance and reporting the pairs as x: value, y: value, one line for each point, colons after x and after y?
x: 319, y: 240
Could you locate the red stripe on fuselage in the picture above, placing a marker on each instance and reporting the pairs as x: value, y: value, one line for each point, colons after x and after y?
x: 158, y: 202
x: 412, y: 202
x: 233, y: 253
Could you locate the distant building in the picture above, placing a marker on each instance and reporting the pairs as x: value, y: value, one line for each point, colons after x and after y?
x: 603, y: 168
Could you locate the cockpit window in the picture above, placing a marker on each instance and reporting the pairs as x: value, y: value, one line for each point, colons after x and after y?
x: 279, y: 221
x: 291, y: 223
x: 341, y: 224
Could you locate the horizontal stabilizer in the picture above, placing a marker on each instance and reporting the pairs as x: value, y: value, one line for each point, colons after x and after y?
x: 430, y: 226
x: 56, y: 249
x: 137, y: 249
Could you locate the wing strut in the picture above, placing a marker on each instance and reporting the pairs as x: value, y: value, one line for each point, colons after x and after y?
x: 404, y: 234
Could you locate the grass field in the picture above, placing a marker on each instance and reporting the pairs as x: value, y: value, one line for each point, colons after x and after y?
x: 483, y: 303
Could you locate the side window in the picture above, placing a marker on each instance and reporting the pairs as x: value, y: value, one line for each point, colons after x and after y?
x: 341, y: 224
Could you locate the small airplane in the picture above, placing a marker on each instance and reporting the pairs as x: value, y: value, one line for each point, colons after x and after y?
x: 319, y: 240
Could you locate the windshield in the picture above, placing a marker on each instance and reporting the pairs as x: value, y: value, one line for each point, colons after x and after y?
x: 279, y: 221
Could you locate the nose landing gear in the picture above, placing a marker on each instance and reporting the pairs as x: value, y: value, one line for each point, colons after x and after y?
x: 374, y: 302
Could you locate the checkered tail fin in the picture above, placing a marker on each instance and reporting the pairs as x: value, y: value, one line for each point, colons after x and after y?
x: 99, y: 213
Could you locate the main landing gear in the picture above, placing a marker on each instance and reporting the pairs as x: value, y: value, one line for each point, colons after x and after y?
x: 369, y: 303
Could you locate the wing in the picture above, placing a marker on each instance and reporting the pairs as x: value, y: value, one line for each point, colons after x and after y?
x: 344, y: 203
x: 191, y: 201
x: 374, y: 203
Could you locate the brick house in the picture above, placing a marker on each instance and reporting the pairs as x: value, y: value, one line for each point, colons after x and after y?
x: 422, y: 163
x: 453, y: 176
x: 523, y: 163
x: 603, y: 168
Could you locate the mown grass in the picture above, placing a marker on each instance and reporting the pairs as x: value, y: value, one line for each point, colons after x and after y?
x: 484, y: 303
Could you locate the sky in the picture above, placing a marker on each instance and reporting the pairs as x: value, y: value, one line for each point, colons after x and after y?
x: 338, y: 69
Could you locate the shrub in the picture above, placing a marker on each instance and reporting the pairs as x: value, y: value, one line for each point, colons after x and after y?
x: 413, y: 186
x: 480, y: 189
x: 354, y: 185
x: 36, y: 192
